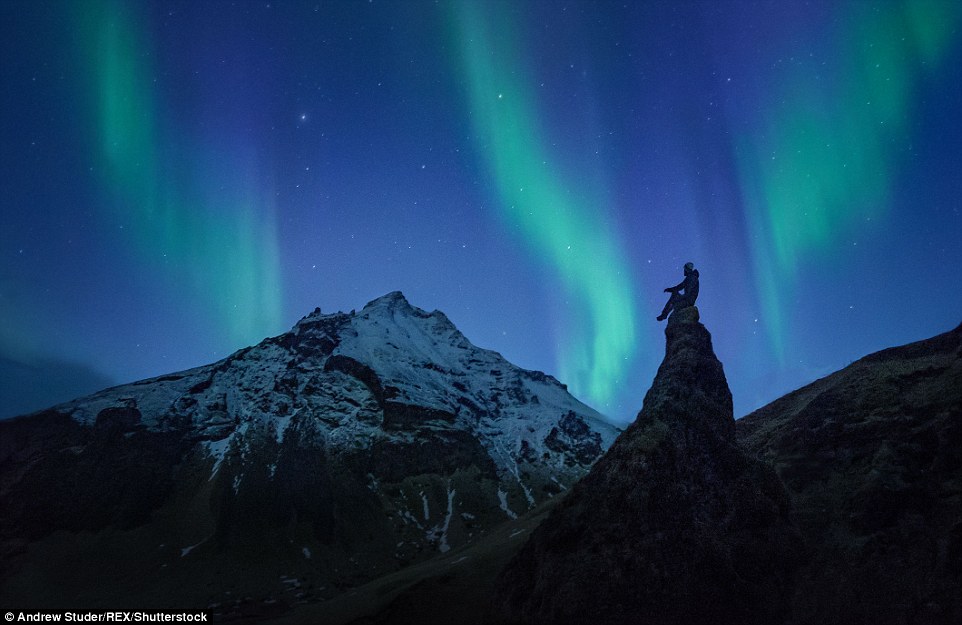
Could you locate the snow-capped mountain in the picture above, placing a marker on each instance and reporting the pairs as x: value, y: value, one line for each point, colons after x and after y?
x: 378, y: 374
x: 350, y: 446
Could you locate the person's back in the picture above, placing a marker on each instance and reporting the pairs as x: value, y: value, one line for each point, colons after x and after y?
x: 691, y: 287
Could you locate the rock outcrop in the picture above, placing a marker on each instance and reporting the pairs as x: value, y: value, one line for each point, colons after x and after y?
x: 674, y: 524
x: 872, y: 458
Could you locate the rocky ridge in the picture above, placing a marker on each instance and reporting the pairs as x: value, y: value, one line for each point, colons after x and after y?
x: 872, y: 458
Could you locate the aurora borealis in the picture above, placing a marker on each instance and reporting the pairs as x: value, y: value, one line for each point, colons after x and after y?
x: 211, y: 225
x: 828, y: 160
x: 179, y: 180
x: 568, y: 232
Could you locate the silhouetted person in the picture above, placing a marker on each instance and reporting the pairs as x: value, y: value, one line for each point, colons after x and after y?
x: 682, y: 300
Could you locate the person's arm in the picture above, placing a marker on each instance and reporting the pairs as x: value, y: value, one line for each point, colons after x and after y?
x: 674, y: 289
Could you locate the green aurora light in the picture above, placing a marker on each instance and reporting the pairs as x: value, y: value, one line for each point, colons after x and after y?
x: 827, y: 162
x: 566, y: 233
x: 194, y: 216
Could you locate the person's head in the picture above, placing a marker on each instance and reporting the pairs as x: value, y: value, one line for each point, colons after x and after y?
x: 689, y: 267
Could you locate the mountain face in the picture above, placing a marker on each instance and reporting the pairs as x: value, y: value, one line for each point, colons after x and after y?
x: 347, y: 448
x: 872, y: 458
x: 674, y: 524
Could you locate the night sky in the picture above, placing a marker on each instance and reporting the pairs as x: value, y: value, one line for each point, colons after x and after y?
x: 182, y: 179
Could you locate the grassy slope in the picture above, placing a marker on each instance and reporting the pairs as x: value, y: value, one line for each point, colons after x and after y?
x: 453, y: 588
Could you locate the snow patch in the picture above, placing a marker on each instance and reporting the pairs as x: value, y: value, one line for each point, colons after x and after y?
x: 524, y: 487
x: 439, y: 533
x: 527, y: 491
x: 503, y: 498
x: 217, y: 450
x: 185, y: 550
x: 407, y: 517
x: 511, y: 464
x: 444, y: 547
x: 281, y: 423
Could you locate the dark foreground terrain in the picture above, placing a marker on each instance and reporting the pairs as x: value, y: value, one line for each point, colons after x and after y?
x: 838, y: 503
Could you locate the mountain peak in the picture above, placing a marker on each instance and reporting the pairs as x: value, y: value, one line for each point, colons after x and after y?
x: 394, y: 299
x: 690, y: 385
x: 374, y: 439
x: 674, y: 524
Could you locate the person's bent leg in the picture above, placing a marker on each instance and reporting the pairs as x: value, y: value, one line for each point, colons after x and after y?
x: 668, y: 306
